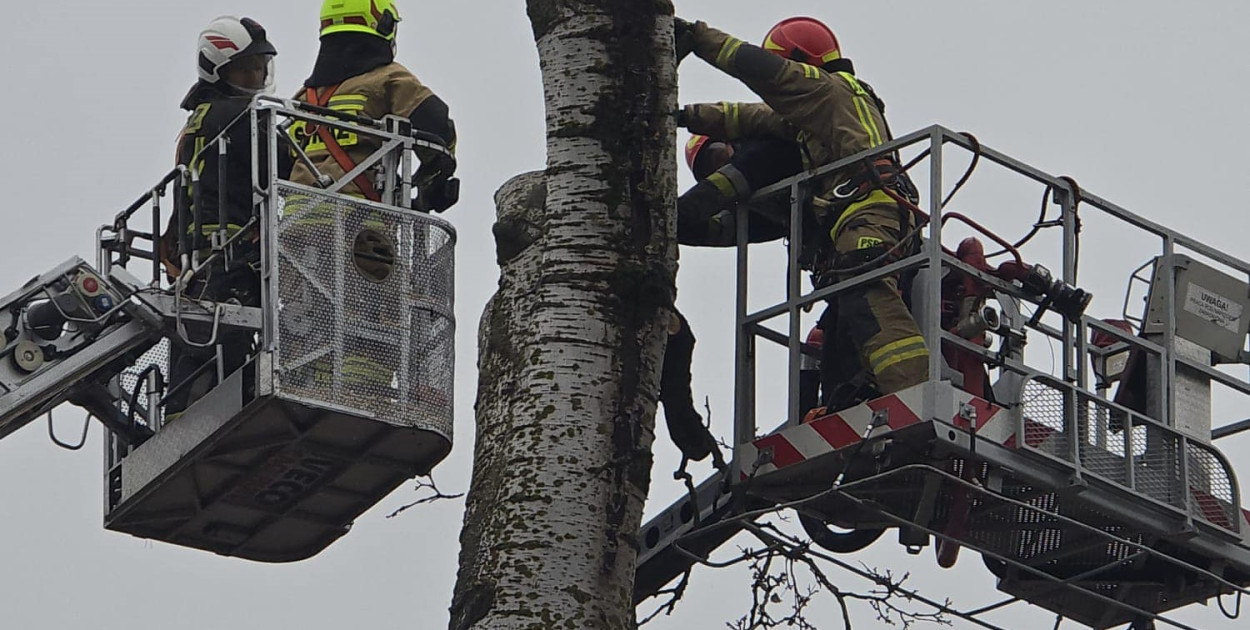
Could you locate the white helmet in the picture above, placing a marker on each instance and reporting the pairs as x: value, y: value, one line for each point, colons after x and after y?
x: 228, y: 38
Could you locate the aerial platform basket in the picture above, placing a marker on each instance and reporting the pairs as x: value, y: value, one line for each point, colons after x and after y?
x: 1042, y: 524
x: 353, y: 398
x: 348, y: 391
x: 1093, y: 489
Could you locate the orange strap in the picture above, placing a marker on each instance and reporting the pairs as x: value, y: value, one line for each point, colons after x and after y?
x: 336, y: 151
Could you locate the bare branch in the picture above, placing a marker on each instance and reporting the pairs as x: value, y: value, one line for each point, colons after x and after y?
x: 424, y: 485
x: 675, y: 594
x: 771, y: 588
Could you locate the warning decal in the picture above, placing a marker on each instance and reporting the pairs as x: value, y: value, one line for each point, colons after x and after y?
x: 1214, y: 308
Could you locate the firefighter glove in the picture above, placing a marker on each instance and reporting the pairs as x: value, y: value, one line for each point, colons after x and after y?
x: 683, y: 38
x: 681, y: 117
x: 439, y: 195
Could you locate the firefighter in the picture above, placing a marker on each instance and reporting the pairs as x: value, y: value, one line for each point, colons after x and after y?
x: 803, y: 78
x: 356, y: 73
x: 706, y: 217
x: 728, y: 173
x: 235, y: 63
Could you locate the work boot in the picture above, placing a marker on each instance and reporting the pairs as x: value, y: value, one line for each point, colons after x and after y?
x: 691, y: 436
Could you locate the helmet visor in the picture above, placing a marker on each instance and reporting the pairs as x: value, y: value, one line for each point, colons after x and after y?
x: 251, y: 75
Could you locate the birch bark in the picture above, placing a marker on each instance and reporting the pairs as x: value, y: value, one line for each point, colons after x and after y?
x: 570, y: 346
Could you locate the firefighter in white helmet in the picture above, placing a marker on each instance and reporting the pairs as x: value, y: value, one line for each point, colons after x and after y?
x: 234, y: 61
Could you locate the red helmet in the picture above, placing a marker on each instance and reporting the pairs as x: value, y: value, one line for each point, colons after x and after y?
x: 816, y: 338
x: 803, y: 39
x: 705, y: 155
x: 693, y: 146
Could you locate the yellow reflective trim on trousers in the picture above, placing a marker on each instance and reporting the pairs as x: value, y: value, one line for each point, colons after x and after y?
x: 727, y: 52
x: 897, y: 352
x: 914, y: 354
x: 875, y: 197
x: 733, y: 124
x: 723, y: 185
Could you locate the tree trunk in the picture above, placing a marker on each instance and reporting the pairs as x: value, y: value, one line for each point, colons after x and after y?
x: 570, y: 346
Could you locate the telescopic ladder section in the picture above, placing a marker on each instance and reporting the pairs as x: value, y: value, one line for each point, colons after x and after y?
x: 67, y: 332
x: 1095, y: 491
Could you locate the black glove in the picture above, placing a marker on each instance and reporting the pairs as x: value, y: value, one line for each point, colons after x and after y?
x: 683, y: 38
x: 438, y: 195
x: 681, y: 118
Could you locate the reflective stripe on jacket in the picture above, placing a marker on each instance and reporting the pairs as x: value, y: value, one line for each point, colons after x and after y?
x: 389, y: 89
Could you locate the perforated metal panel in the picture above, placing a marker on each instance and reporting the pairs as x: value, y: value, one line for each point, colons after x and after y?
x: 365, y: 299
x: 1133, y: 452
x: 156, y: 355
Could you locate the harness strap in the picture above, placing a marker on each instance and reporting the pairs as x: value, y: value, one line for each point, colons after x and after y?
x: 336, y: 151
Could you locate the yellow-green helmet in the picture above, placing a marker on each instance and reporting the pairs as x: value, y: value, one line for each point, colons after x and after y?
x: 375, y: 17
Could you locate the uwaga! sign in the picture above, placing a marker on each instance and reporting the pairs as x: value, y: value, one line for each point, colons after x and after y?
x: 1213, y: 307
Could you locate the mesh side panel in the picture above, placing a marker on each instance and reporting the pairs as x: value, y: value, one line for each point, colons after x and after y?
x: 157, y: 354
x: 1211, y: 488
x: 1145, y: 458
x: 1043, y: 420
x: 365, y: 309
x: 1156, y: 464
x: 1102, y: 453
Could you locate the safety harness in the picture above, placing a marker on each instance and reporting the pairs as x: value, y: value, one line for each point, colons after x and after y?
x: 336, y: 151
x: 880, y: 180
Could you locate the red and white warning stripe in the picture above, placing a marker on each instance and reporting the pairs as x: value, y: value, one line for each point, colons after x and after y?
x: 837, y: 431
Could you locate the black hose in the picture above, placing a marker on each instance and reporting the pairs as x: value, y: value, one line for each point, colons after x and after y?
x: 134, y: 395
x: 839, y: 542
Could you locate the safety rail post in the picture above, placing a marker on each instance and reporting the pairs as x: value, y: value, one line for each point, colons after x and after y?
x: 181, y: 213
x: 1075, y: 422
x: 744, y: 376
x: 156, y: 234
x: 222, y: 233
x: 1130, y: 475
x: 269, y: 229
x: 794, y: 292
x: 933, y: 288
x: 1186, y: 494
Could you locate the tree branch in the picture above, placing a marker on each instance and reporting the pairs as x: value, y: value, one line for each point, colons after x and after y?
x: 423, y: 485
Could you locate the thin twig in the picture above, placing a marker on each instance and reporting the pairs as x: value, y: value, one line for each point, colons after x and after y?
x: 423, y: 485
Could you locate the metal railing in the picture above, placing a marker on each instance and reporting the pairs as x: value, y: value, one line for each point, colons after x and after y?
x: 131, y: 243
x: 1204, y: 484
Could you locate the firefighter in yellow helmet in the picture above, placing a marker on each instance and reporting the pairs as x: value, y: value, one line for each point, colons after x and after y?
x: 356, y: 73
x: 809, y: 86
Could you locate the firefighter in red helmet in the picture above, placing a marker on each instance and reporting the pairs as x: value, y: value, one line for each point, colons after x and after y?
x: 810, y: 88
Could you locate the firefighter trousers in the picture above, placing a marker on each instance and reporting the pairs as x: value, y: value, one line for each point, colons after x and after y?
x: 870, y: 326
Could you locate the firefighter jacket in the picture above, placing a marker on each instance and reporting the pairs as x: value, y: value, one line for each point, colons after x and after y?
x: 830, y: 112
x: 376, y: 93
x: 215, y: 113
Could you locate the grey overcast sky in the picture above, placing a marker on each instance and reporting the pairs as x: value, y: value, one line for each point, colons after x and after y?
x: 1142, y: 101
